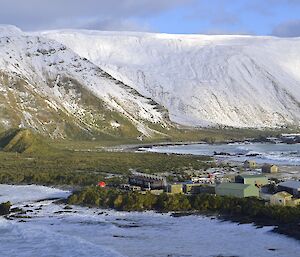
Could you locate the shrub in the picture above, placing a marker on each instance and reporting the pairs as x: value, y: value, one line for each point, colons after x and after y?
x: 5, y: 208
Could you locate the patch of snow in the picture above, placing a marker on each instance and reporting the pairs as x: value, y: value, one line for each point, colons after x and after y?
x: 115, y: 124
x: 21, y: 194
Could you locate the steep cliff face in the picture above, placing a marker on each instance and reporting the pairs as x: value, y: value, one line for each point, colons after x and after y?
x: 47, y: 87
x: 239, y: 81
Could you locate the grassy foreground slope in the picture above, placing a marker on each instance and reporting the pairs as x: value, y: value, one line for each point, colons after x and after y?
x: 26, y: 158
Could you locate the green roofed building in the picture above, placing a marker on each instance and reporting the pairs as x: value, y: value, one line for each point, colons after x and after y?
x: 256, y: 180
x: 237, y: 190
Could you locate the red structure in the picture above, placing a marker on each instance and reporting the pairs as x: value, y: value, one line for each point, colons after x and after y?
x: 102, y: 184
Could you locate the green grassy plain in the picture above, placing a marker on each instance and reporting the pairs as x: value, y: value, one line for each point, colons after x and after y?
x: 73, y: 168
x: 29, y: 158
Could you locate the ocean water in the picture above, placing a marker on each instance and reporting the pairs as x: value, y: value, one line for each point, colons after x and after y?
x: 52, y: 231
x: 284, y: 154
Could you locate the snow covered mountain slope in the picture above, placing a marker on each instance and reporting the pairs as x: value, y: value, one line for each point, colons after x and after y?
x: 46, y: 86
x: 239, y: 81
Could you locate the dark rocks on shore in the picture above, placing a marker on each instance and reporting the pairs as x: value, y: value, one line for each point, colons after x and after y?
x: 222, y: 153
x: 291, y: 230
x: 252, y: 154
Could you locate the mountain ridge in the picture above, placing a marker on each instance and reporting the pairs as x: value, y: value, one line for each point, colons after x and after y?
x: 89, y: 85
x: 202, y: 80
x: 48, y: 87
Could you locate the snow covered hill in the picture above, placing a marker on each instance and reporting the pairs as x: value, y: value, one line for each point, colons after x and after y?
x: 125, y: 84
x: 47, y: 87
x: 240, y: 81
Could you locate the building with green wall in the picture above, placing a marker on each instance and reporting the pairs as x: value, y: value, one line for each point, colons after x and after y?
x: 237, y: 190
x: 258, y: 180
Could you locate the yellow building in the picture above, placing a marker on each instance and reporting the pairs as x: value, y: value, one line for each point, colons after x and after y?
x: 192, y: 188
x: 283, y: 198
x: 175, y: 189
x: 156, y: 191
x: 269, y: 168
x: 250, y: 164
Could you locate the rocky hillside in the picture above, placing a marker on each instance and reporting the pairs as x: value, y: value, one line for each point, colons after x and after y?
x: 46, y: 86
x: 239, y: 81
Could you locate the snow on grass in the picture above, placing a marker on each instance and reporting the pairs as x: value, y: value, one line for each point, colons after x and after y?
x: 115, y: 124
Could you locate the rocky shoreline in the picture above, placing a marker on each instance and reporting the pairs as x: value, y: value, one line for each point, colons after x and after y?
x: 291, y: 230
x: 136, y: 147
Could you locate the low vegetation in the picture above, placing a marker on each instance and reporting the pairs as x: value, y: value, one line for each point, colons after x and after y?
x: 87, y: 168
x: 5, y: 208
x: 27, y: 158
x: 136, y: 201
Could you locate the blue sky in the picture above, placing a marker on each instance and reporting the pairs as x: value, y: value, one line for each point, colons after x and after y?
x: 259, y: 17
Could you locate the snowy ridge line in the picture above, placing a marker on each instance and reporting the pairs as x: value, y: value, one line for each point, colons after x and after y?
x: 239, y: 81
